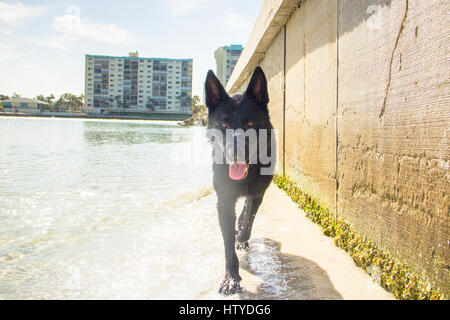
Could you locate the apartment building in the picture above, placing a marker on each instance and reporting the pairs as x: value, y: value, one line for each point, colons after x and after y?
x: 226, y: 58
x: 135, y: 84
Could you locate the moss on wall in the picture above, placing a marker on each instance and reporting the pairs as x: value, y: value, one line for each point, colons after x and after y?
x: 390, y: 274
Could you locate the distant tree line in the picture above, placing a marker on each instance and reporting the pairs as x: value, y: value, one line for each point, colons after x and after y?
x: 67, y: 102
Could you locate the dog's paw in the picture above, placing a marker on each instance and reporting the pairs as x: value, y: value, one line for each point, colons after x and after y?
x: 242, y: 246
x: 230, y: 286
x: 242, y: 236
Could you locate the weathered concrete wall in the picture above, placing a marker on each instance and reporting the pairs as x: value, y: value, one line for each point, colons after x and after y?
x: 394, y: 120
x: 311, y: 99
x: 272, y: 65
x: 367, y: 103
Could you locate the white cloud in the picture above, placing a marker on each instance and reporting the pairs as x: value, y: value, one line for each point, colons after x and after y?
x: 235, y: 21
x: 180, y: 7
x: 73, y: 26
x: 13, y: 13
x: 60, y: 43
x: 9, y: 55
x: 5, y: 31
x: 7, y: 51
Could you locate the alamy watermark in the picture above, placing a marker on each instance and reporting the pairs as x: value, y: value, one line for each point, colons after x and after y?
x: 252, y: 147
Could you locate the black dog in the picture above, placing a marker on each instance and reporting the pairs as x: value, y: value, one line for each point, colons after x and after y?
x: 234, y: 177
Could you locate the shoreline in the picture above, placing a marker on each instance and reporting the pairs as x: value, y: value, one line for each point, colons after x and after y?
x: 159, y: 116
x: 197, y: 119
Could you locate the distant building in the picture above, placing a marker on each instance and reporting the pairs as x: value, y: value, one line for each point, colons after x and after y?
x: 226, y: 58
x: 24, y: 105
x: 134, y: 84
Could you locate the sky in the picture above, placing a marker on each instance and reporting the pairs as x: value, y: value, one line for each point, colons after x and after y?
x: 43, y: 43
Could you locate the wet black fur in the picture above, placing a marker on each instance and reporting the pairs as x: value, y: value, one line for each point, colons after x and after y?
x: 237, y: 111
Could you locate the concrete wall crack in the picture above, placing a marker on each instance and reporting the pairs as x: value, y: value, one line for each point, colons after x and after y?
x: 388, y: 87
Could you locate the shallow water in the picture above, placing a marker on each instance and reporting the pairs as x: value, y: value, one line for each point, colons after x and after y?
x: 96, y: 209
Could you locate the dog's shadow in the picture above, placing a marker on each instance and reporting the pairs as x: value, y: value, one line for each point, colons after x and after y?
x: 284, y: 276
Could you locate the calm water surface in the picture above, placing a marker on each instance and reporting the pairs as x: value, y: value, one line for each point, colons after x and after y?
x: 95, y: 209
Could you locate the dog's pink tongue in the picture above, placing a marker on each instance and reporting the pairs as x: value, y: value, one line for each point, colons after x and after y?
x: 237, y: 171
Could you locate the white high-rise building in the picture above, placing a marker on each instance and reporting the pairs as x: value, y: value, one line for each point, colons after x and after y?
x: 118, y: 84
x: 226, y: 58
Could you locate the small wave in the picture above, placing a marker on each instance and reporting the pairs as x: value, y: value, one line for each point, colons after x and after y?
x: 189, y: 197
x: 41, y: 238
x: 11, y: 257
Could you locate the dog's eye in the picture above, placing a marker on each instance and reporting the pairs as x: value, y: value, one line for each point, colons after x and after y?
x: 225, y: 125
x: 250, y: 123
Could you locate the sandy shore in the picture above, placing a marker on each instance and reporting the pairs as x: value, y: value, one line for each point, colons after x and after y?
x: 310, y: 265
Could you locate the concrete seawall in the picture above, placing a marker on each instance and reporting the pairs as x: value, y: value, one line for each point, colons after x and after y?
x: 360, y: 94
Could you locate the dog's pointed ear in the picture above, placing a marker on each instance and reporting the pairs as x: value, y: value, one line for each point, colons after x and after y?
x: 214, y: 91
x: 257, y: 88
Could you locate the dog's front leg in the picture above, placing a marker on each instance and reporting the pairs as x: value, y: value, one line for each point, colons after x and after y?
x: 227, y: 219
x: 246, y: 221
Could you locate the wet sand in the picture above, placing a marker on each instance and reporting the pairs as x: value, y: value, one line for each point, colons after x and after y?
x: 290, y: 258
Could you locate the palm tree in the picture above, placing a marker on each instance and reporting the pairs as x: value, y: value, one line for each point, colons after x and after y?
x: 70, y: 102
x: 195, y: 101
x: 40, y: 97
x: 49, y: 99
x: 80, y: 101
x: 194, y: 104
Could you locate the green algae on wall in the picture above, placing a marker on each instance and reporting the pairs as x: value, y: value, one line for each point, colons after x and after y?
x: 390, y: 274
